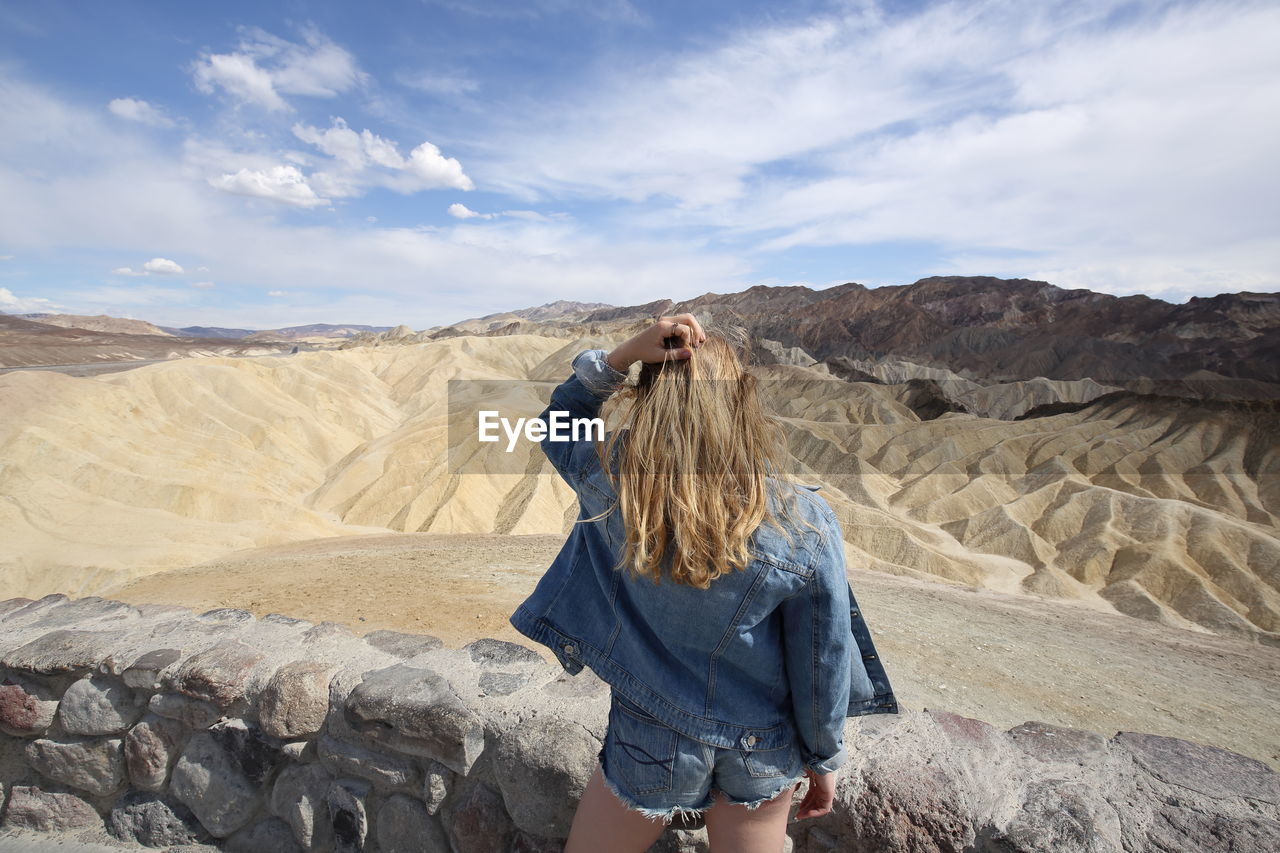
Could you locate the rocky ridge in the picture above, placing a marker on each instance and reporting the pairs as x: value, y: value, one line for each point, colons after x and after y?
x: 99, y: 323
x: 986, y: 330
x: 221, y: 731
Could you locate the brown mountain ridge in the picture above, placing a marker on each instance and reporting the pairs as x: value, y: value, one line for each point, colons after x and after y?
x: 989, y: 330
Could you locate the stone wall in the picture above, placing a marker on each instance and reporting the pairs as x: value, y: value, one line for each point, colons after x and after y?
x: 167, y: 728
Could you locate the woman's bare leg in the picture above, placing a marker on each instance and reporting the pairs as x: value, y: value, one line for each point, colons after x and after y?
x: 602, y: 822
x: 739, y: 829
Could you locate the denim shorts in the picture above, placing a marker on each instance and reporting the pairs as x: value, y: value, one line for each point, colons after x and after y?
x: 654, y: 769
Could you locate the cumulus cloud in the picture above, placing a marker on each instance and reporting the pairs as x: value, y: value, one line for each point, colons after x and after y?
x: 265, y: 67
x: 435, y: 170
x: 162, y: 266
x: 461, y: 211
x: 285, y: 184
x: 135, y: 109
x: 155, y: 266
x: 203, y: 285
x: 144, y: 194
x: 25, y: 305
x: 364, y: 159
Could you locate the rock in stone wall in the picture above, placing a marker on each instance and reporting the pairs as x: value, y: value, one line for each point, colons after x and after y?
x: 164, y: 728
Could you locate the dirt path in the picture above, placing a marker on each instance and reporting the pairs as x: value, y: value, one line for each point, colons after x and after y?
x: 997, y: 657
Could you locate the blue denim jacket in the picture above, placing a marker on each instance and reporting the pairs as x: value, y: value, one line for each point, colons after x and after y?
x: 769, y: 656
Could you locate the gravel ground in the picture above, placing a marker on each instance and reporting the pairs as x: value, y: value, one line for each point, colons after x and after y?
x: 31, y: 842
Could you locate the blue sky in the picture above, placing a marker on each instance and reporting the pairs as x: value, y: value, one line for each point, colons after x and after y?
x: 268, y: 164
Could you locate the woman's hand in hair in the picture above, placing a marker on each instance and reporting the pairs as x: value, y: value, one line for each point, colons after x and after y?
x: 648, y: 345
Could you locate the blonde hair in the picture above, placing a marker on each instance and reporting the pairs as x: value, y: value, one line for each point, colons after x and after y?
x: 694, y: 447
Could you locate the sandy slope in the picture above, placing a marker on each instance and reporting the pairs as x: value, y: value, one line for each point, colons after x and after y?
x: 998, y: 657
x: 1162, y: 510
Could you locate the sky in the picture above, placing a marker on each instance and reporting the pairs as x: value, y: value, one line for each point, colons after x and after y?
x: 258, y: 165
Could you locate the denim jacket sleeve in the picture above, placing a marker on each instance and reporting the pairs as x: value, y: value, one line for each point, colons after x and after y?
x: 581, y: 395
x: 819, y: 642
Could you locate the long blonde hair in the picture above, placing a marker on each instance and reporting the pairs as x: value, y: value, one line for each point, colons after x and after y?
x: 694, y: 447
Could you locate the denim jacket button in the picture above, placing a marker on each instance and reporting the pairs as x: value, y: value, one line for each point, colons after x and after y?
x: 570, y: 648
x: 854, y: 614
x: 749, y: 740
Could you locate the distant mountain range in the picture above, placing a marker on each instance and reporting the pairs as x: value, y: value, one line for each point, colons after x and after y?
x: 981, y: 328
x: 968, y: 328
x: 559, y: 311
x: 104, y: 323
x: 97, y: 323
x: 315, y: 330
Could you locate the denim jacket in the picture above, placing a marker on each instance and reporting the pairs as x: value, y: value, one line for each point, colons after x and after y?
x: 770, y: 656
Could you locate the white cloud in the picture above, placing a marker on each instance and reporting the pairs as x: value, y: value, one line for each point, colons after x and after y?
x: 146, y: 195
x: 25, y: 305
x: 277, y: 293
x: 285, y: 184
x: 240, y: 77
x: 138, y: 110
x: 531, y: 215
x: 155, y: 266
x: 1064, y: 133
x: 265, y: 67
x: 364, y: 159
x: 607, y: 11
x: 436, y: 170
x: 439, y: 83
x: 162, y: 266
x: 461, y: 211
x: 107, y: 298
x: 203, y: 285
x: 998, y: 140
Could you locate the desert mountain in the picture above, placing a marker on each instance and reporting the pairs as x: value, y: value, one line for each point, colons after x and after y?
x: 1160, y: 507
x: 1007, y: 329
x: 208, y: 331
x: 97, y: 323
x: 25, y: 343
x: 971, y: 332
x: 560, y: 311
x: 314, y: 331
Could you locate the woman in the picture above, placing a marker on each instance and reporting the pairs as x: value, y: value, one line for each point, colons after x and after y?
x: 709, y: 593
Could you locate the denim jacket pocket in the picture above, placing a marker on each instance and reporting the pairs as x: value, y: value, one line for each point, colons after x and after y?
x: 771, y: 763
x: 646, y: 749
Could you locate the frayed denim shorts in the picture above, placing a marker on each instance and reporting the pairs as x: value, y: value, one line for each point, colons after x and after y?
x: 661, y: 773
